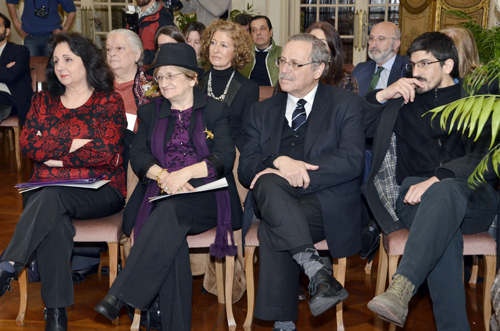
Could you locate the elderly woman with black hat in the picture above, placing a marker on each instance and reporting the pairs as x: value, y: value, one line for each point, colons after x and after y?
x: 183, y: 141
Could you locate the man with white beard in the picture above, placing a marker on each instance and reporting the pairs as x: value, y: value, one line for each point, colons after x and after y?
x: 385, y: 66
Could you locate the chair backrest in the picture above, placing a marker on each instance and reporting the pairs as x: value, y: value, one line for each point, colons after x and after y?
x: 242, y: 191
x: 38, y: 64
x: 265, y: 92
x: 348, y: 68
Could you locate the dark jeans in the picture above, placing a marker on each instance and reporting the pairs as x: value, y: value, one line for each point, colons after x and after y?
x: 290, y: 222
x: 37, y: 45
x: 159, y: 264
x: 45, y: 227
x: 434, y: 249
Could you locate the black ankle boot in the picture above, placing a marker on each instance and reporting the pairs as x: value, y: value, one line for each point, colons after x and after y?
x: 56, y: 319
x: 110, y: 307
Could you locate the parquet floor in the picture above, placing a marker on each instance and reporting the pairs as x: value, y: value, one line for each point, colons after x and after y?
x: 207, y: 314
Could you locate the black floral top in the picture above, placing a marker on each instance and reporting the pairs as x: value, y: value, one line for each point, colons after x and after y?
x: 50, y: 129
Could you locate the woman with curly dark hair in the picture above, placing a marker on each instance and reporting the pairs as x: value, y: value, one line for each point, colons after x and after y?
x: 229, y: 48
x: 73, y: 130
x: 336, y: 76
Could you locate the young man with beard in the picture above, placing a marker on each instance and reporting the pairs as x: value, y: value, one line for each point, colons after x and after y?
x: 152, y: 15
x: 387, y: 66
x: 421, y: 172
x: 15, y: 76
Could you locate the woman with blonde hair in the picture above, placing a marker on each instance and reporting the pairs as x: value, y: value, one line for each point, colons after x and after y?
x: 229, y: 48
x: 468, y: 56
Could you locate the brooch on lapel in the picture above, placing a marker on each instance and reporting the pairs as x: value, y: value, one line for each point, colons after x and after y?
x: 209, y: 134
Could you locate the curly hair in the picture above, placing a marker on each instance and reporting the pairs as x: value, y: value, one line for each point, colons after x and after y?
x: 99, y: 75
x: 335, y: 73
x: 243, y: 45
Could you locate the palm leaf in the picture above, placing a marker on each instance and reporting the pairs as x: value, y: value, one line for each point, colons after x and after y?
x: 477, y: 105
x: 484, y: 115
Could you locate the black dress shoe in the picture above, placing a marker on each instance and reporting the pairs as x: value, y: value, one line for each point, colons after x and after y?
x: 5, y: 279
x: 56, y: 319
x: 110, y: 307
x: 325, y: 292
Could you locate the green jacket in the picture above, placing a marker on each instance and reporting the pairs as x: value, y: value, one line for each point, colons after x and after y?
x: 272, y: 70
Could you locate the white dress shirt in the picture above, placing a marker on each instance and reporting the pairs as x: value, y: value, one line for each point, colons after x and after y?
x: 291, y: 104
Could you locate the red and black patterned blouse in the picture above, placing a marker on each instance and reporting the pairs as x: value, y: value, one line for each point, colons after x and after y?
x: 102, y: 119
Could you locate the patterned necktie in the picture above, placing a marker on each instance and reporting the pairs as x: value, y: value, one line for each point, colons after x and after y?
x: 375, y: 79
x: 299, y: 115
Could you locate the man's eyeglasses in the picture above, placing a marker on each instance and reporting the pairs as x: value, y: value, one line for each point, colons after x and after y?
x: 379, y: 40
x: 281, y: 62
x: 424, y: 64
x: 167, y: 77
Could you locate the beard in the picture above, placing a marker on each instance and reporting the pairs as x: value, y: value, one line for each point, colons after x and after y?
x: 426, y: 88
x: 380, y: 56
x: 3, y: 35
x: 142, y: 3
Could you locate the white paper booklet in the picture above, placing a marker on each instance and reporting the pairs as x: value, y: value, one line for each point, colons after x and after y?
x: 221, y: 183
x: 94, y: 185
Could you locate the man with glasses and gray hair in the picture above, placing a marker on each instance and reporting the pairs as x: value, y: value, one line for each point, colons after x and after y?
x: 387, y: 66
x: 303, y: 157
x: 418, y: 181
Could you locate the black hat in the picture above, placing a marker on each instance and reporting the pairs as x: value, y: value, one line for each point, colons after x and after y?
x: 176, y: 54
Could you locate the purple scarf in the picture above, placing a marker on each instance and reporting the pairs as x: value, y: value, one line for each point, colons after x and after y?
x: 220, y: 247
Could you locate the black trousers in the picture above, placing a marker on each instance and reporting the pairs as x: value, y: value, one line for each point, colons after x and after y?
x: 159, y: 263
x: 434, y: 249
x: 289, y: 223
x: 45, y: 227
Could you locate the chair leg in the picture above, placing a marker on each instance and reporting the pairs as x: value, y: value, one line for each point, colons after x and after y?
x: 368, y: 267
x: 490, y: 264
x: 249, y: 256
x: 340, y: 273
x: 113, y: 267
x: 136, y: 323
x: 382, y: 270
x: 219, y: 275
x: 393, y: 265
x: 473, y: 272
x: 23, y: 290
x: 11, y: 141
x: 229, y: 292
x: 17, y: 133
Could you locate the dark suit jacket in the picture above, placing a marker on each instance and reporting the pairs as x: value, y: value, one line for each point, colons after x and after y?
x: 364, y: 72
x: 18, y: 77
x: 221, y: 147
x: 335, y: 141
x: 242, y: 94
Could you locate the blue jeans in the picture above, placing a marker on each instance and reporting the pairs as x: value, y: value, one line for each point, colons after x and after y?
x: 434, y: 249
x: 37, y: 44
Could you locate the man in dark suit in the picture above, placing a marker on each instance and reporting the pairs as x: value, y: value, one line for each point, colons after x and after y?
x: 303, y: 156
x: 15, y: 76
x: 386, y: 66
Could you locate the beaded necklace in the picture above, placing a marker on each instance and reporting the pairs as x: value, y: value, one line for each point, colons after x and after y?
x: 209, y: 89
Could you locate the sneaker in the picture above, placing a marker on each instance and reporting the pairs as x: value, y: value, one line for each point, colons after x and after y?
x: 392, y: 305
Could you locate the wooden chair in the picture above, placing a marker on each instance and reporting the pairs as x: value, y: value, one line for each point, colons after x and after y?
x: 251, y: 243
x: 38, y: 64
x: 106, y: 229
x: 12, y: 122
x: 392, y: 247
x: 265, y: 92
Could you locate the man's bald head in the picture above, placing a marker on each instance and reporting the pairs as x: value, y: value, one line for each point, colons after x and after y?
x: 385, y: 39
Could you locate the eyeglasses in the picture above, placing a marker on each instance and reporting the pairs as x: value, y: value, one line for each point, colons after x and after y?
x: 167, y: 77
x: 281, y: 61
x: 424, y: 64
x: 379, y: 40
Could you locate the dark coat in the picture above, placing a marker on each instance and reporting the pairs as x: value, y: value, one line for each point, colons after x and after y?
x: 364, y: 72
x: 334, y: 141
x: 242, y: 94
x: 380, y: 121
x: 215, y: 119
x: 18, y: 77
